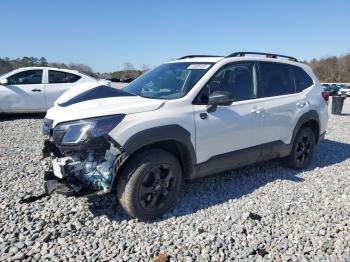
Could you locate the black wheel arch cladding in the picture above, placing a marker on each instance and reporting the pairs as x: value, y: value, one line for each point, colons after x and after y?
x: 166, y: 135
x: 309, y: 116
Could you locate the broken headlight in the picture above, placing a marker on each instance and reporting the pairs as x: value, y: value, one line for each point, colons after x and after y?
x: 78, y: 132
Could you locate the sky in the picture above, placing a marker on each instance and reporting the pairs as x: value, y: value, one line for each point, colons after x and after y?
x: 105, y: 34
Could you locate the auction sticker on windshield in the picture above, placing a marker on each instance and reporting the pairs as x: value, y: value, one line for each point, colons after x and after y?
x: 199, y: 66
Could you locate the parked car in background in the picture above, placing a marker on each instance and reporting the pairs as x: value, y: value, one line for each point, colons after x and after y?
x: 35, y: 89
x: 126, y: 79
x: 331, y: 89
x: 122, y: 80
x: 345, y: 90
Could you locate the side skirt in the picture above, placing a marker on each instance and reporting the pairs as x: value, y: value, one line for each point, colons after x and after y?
x: 240, y: 158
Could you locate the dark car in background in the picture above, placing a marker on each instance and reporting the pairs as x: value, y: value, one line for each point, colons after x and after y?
x: 331, y: 88
x: 122, y: 80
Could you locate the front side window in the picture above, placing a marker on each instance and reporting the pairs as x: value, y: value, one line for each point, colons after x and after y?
x: 239, y: 79
x: 168, y: 81
x: 302, y: 79
x: 28, y: 77
x: 277, y: 79
x: 57, y: 77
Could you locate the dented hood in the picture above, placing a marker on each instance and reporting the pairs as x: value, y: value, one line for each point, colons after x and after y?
x: 102, y: 107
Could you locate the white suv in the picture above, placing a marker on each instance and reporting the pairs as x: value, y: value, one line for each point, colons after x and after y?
x: 188, y: 118
x: 35, y: 89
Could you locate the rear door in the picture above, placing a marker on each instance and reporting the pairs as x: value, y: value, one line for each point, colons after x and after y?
x: 58, y: 82
x: 281, y: 104
x: 24, y: 92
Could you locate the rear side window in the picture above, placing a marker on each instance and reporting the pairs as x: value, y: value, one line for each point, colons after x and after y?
x: 28, y: 77
x: 302, y: 79
x: 57, y: 77
x: 277, y: 79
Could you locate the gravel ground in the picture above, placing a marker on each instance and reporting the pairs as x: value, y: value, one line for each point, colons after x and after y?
x: 262, y: 212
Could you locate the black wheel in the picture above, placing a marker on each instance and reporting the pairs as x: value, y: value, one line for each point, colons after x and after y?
x: 149, y: 184
x: 303, y: 149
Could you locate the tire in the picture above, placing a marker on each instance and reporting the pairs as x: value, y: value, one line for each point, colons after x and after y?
x: 149, y: 184
x: 303, y: 149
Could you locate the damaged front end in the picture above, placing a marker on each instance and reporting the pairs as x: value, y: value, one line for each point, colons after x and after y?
x: 82, y: 155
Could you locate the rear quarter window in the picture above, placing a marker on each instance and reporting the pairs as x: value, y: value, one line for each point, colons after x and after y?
x: 302, y: 79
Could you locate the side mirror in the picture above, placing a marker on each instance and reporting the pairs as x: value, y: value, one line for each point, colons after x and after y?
x: 219, y: 98
x: 3, y: 82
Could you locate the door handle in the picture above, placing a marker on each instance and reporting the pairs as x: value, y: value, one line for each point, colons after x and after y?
x: 36, y: 90
x: 256, y: 110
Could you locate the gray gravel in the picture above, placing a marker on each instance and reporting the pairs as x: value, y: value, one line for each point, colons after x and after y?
x: 262, y: 212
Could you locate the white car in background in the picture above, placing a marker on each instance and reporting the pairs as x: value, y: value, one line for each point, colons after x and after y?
x: 35, y: 89
x: 345, y: 91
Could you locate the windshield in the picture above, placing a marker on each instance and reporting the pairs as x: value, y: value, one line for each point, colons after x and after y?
x: 168, y: 81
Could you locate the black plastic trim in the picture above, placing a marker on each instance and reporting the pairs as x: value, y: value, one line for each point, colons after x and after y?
x: 242, y: 157
x: 158, y: 134
x: 322, y: 136
x: 311, y: 115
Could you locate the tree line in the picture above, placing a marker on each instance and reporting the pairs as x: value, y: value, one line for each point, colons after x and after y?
x: 7, y: 64
x: 332, y: 69
x: 329, y: 69
x: 129, y: 71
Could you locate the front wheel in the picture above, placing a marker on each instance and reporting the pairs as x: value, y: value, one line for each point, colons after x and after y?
x: 303, y: 149
x: 149, y: 184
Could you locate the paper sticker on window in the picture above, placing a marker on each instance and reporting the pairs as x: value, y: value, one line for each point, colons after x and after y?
x: 199, y: 66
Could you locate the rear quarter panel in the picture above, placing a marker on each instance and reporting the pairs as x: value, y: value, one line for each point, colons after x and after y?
x: 316, y: 101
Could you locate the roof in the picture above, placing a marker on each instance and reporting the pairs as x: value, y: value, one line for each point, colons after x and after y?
x: 44, y: 67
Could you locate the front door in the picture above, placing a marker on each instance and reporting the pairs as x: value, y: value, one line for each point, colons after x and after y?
x: 24, y: 92
x: 234, y: 128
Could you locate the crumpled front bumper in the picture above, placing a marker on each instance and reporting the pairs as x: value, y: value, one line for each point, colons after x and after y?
x: 68, y: 175
x: 68, y: 187
x: 52, y: 184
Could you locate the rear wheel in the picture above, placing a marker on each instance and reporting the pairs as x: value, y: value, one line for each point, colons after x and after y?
x: 149, y: 184
x: 303, y: 149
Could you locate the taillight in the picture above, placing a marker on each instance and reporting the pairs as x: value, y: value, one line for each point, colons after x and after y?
x: 325, y: 96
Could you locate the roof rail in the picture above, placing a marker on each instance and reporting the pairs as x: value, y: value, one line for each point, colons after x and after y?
x: 265, y: 54
x: 192, y: 56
